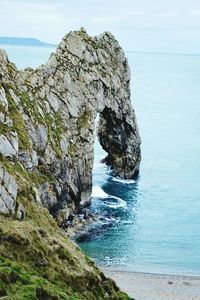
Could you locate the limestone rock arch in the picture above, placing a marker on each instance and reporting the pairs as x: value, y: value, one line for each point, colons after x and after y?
x: 49, y: 118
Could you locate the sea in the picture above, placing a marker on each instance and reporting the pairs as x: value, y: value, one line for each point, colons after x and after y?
x: 151, y: 224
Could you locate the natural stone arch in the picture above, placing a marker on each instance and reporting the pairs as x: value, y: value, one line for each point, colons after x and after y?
x: 51, y: 113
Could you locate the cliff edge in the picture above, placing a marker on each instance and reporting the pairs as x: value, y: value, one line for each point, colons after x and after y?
x: 47, y: 126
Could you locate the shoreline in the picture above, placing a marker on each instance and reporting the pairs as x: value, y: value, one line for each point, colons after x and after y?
x: 153, y: 286
x: 190, y: 276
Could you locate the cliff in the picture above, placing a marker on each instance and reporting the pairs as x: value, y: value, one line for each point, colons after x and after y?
x: 47, y: 126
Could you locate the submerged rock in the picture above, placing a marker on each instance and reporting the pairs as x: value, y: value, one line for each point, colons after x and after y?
x: 52, y: 112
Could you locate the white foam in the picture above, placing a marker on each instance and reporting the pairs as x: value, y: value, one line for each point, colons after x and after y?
x: 98, y: 164
x: 97, y: 192
x: 126, y: 181
x: 120, y: 202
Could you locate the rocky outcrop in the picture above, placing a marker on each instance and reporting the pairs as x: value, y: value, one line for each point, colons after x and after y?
x: 47, y: 126
x: 8, y: 192
x: 48, y: 121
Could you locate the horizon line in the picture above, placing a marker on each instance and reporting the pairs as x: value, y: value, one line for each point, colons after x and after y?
x: 160, y: 52
x: 47, y: 44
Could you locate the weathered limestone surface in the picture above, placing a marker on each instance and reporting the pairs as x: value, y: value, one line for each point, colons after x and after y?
x: 8, y: 192
x: 48, y: 118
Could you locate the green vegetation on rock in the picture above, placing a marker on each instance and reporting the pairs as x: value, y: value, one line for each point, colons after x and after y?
x: 18, y: 123
x: 84, y: 120
x: 38, y: 261
x: 47, y: 132
x: 55, y: 131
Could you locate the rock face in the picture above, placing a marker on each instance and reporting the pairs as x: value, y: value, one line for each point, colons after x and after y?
x: 8, y: 192
x: 47, y: 127
x: 48, y: 118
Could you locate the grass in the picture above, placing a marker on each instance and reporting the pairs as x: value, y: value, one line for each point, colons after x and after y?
x: 84, y: 120
x: 31, y: 108
x: 16, y: 282
x: 72, y: 149
x: 38, y: 260
x: 18, y: 124
x: 55, y: 132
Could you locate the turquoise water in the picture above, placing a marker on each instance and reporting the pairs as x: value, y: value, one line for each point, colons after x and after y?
x: 153, y: 224
x: 159, y: 229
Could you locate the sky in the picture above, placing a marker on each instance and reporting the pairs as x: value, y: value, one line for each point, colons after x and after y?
x: 139, y: 25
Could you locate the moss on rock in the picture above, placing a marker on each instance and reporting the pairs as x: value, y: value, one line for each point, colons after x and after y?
x: 51, y: 112
x: 18, y: 124
x: 38, y: 261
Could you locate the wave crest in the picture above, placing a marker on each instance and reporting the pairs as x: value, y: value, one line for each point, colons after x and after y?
x: 110, y: 200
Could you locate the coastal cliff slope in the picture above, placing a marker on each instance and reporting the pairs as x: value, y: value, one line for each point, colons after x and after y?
x: 47, y: 126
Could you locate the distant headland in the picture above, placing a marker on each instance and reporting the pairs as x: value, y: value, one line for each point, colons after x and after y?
x: 20, y: 41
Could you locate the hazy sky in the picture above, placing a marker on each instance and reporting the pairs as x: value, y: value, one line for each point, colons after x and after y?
x: 158, y: 25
